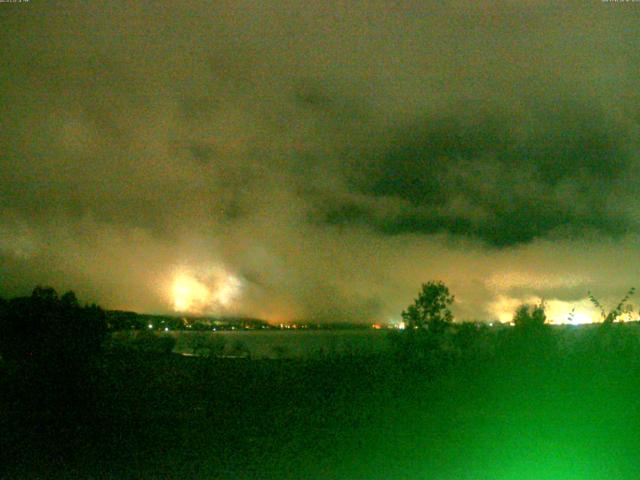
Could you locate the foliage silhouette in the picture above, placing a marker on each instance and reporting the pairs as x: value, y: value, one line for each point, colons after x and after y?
x: 473, y: 341
x: 427, y: 341
x: 531, y: 337
x: 430, y: 310
x: 51, y: 344
x: 620, y: 309
x: 529, y: 317
x: 45, y: 328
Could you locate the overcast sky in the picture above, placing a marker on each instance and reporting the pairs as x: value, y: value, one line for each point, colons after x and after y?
x: 320, y: 160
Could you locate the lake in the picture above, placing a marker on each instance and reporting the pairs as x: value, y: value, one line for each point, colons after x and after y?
x: 286, y: 343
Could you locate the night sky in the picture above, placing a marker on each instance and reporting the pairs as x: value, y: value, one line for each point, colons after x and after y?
x: 320, y: 160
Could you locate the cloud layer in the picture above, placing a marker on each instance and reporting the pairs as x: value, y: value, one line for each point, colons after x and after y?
x: 330, y: 156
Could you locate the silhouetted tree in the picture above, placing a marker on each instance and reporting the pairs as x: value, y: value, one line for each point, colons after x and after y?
x: 529, y: 317
x: 431, y: 309
x: 46, y: 328
x: 51, y: 342
x: 45, y: 294
x: 531, y: 337
x: 424, y: 342
x: 69, y: 300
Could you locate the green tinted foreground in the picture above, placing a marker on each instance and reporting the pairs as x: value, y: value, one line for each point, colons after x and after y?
x: 508, y: 417
x: 520, y: 425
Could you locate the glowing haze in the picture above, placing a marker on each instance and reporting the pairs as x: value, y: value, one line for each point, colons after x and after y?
x: 320, y: 160
x: 210, y: 292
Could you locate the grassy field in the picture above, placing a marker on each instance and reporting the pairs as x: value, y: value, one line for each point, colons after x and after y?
x: 536, y: 413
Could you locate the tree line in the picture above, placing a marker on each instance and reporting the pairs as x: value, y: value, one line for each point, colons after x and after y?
x: 45, y: 327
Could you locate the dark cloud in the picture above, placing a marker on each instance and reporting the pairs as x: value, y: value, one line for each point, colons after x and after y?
x: 504, y: 179
x: 330, y: 155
